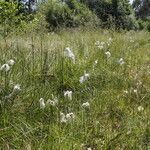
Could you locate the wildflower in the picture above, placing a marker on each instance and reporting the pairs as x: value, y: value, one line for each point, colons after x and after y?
x: 42, y: 103
x: 70, y: 116
x: 84, y: 77
x: 108, y: 54
x: 81, y: 80
x: 126, y: 92
x: 100, y: 46
x: 17, y: 87
x: 11, y: 62
x: 68, y: 94
x: 52, y: 102
x: 96, y: 61
x: 5, y: 67
x: 121, y: 61
x: 140, y: 108
x: 135, y: 90
x: 109, y: 41
x: 97, y: 43
x: 86, y: 105
x: 63, y: 118
x: 69, y: 54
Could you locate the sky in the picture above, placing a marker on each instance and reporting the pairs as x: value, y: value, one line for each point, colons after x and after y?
x: 131, y: 1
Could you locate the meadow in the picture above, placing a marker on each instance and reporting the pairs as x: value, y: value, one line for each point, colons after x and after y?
x: 75, y: 89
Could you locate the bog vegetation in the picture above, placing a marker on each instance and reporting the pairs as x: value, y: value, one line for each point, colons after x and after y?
x: 75, y: 75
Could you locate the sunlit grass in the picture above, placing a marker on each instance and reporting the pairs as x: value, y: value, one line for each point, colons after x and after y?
x: 97, y: 96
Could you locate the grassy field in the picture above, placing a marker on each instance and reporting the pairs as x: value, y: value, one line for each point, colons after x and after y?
x: 75, y: 90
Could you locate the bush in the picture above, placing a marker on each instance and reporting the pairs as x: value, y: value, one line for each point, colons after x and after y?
x: 68, y: 14
x: 12, y: 18
x: 8, y: 17
x: 116, y: 13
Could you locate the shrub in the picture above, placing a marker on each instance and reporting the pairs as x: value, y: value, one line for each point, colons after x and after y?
x: 68, y: 14
x: 116, y: 13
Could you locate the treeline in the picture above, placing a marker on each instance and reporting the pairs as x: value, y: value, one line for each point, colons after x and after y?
x: 54, y: 14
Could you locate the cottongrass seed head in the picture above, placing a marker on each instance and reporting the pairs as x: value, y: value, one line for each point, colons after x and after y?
x: 86, y: 105
x: 5, y: 67
x: 11, y: 62
x: 68, y: 53
x: 68, y: 94
x: 121, y: 61
x: 42, y: 103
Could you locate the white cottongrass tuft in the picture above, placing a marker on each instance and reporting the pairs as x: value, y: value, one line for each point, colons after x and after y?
x: 5, y: 67
x: 68, y: 94
x: 17, y: 87
x: 95, y: 63
x: 108, y: 54
x: 42, y: 103
x: 84, y: 77
x: 121, y: 61
x: 70, y: 54
x: 99, y: 44
x: 125, y: 92
x: 109, y: 41
x: 63, y: 118
x: 66, y: 118
x: 86, y: 105
x: 11, y: 62
x: 70, y: 116
x: 135, y: 91
x: 140, y: 108
x: 52, y: 102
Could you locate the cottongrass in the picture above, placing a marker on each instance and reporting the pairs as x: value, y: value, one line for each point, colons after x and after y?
x: 86, y: 105
x: 5, y: 67
x: 68, y: 53
x: 140, y: 108
x: 66, y: 118
x: 108, y: 54
x: 84, y: 77
x: 121, y: 61
x: 42, y: 103
x: 68, y: 94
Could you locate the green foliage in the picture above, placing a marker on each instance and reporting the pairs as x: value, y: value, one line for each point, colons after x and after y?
x: 8, y: 17
x: 118, y: 94
x: 116, y: 13
x: 68, y: 14
x: 142, y: 9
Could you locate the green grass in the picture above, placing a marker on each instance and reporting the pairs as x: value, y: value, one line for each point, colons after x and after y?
x: 112, y: 121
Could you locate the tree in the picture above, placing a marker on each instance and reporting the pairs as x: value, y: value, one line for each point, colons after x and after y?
x: 123, y: 14
x: 142, y: 8
x: 113, y: 12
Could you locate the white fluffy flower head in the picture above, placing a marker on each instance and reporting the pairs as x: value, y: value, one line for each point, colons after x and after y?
x: 140, y: 108
x: 121, y: 61
x: 68, y: 94
x: 11, y: 62
x: 17, y: 87
x: 69, y: 53
x: 86, y: 105
x: 42, y: 103
x: 108, y: 54
x: 5, y: 67
x: 84, y: 77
